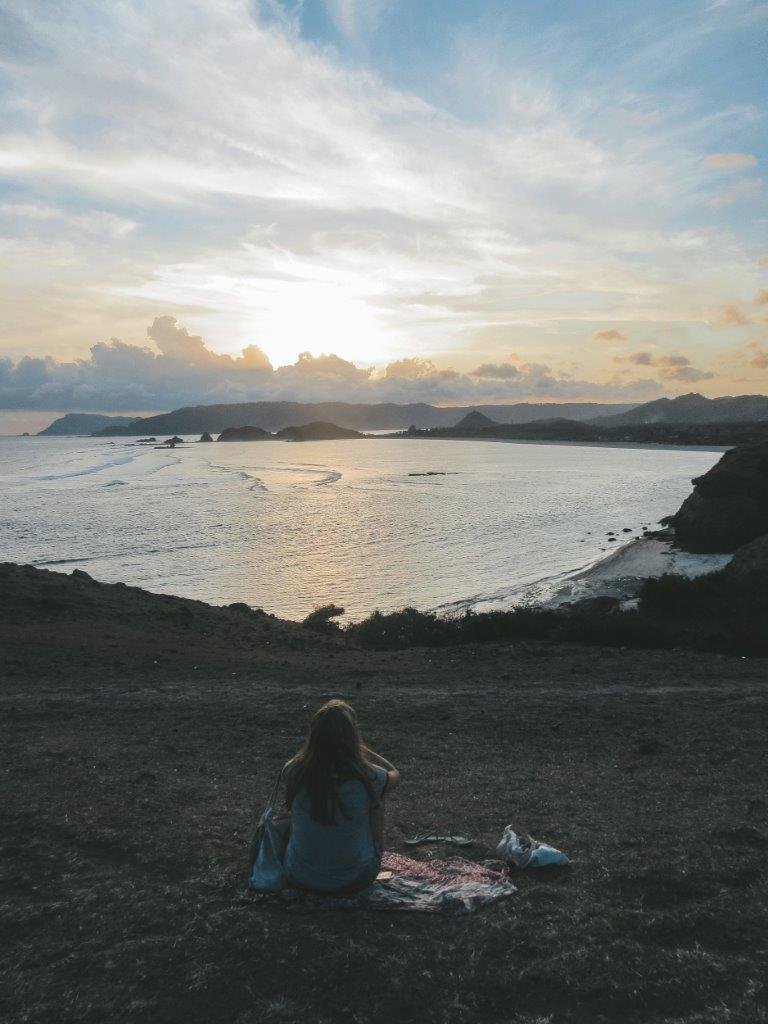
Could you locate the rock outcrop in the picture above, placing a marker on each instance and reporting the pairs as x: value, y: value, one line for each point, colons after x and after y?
x: 748, y: 568
x: 206, y: 438
x: 729, y: 504
x: 245, y: 434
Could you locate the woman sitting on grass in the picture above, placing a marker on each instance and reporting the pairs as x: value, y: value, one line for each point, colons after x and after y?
x: 335, y: 788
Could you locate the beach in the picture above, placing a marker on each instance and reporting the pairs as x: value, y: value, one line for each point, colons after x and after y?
x: 142, y: 734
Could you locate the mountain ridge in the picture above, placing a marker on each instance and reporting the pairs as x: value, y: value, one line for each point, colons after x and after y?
x: 691, y: 408
x: 276, y: 416
x: 75, y: 423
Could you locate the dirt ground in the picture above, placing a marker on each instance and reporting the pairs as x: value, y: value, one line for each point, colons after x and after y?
x: 141, y: 734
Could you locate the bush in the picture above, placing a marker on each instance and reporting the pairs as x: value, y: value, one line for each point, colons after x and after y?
x: 714, y: 612
x: 321, y: 619
x: 710, y: 613
x: 406, y: 628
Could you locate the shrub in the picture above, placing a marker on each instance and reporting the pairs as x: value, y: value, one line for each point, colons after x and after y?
x: 321, y: 619
x: 406, y: 628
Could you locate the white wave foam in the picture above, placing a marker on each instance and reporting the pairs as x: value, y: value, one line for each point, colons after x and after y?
x: 331, y: 478
x: 87, y: 470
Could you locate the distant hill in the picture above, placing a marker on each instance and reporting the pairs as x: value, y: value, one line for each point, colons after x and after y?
x: 75, y: 423
x: 474, y: 421
x: 318, y: 432
x: 384, y: 416
x: 726, y: 433
x: 692, y: 408
x: 244, y: 434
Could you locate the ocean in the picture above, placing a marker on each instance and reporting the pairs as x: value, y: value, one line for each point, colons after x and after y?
x: 287, y: 527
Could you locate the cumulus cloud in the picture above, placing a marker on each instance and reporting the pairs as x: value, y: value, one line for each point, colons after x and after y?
x: 609, y: 335
x: 672, y: 368
x: 409, y: 368
x: 179, y: 369
x: 762, y: 297
x: 729, y: 161
x: 497, y: 371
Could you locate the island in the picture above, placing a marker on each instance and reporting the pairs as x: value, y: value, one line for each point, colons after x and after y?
x: 318, y: 431
x: 245, y: 434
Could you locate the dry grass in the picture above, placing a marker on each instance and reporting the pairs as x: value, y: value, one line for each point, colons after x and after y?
x: 129, y: 796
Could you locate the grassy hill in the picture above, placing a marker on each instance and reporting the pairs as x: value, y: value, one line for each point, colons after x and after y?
x: 141, y: 734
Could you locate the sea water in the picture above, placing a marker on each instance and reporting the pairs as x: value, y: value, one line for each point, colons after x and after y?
x: 290, y: 526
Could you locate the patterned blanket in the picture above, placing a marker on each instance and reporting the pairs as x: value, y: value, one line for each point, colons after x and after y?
x: 453, y: 887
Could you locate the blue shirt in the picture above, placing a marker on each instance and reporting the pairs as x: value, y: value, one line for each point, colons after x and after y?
x: 338, y: 856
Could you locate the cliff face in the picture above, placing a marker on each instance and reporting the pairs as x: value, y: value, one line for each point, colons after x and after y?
x: 729, y: 504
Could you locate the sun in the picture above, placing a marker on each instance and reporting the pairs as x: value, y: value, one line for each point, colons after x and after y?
x: 323, y: 317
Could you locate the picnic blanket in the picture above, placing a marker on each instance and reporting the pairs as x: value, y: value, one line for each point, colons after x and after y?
x: 453, y: 887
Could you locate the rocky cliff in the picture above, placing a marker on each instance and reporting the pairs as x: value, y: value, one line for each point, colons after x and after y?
x: 729, y: 504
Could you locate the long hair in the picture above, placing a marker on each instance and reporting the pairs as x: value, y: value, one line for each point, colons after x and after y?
x: 332, y: 752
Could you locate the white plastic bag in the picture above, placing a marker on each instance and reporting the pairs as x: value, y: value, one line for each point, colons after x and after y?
x: 524, y: 852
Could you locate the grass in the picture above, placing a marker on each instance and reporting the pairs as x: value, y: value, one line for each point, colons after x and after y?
x: 132, y: 776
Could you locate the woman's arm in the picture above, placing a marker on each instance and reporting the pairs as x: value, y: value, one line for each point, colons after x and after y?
x: 393, y: 775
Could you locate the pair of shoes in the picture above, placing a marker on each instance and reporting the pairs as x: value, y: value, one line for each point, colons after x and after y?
x: 433, y: 837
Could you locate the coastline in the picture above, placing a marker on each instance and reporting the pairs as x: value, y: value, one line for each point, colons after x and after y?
x: 618, y: 573
x: 193, y: 439
x: 650, y: 445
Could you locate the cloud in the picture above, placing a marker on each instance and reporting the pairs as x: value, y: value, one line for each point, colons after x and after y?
x: 94, y: 222
x: 729, y: 161
x: 497, y: 371
x: 749, y: 188
x: 674, y: 368
x: 356, y: 18
x: 762, y: 297
x: 410, y: 368
x: 271, y: 188
x: 610, y: 335
x: 730, y: 315
x: 179, y: 369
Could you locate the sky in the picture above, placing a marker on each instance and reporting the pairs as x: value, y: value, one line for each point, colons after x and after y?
x: 453, y: 201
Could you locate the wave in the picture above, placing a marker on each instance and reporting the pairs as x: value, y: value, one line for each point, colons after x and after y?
x: 87, y: 470
x: 113, y: 555
x: 255, y: 482
x: 332, y: 478
x: 619, y: 574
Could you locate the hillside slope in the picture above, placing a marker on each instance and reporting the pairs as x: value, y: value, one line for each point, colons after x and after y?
x: 141, y: 736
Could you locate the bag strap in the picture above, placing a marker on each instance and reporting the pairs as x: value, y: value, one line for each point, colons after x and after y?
x: 268, y: 810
